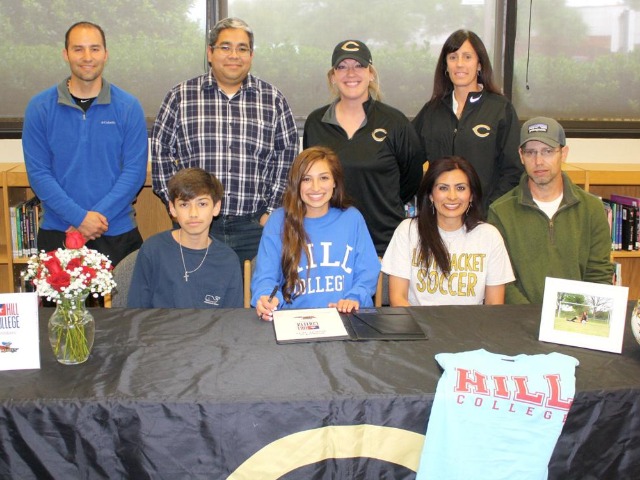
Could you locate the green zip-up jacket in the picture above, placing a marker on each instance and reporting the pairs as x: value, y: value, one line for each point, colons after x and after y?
x: 575, y: 244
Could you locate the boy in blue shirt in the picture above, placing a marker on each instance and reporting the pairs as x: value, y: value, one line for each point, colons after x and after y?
x: 186, y: 267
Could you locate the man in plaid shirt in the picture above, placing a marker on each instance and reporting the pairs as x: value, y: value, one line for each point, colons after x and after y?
x: 233, y: 125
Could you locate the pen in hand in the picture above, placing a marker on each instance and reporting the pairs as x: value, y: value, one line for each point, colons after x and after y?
x: 273, y: 294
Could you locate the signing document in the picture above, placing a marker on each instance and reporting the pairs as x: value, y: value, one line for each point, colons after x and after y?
x: 308, y: 325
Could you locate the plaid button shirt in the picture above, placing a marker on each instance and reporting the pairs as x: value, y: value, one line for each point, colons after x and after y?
x: 248, y: 141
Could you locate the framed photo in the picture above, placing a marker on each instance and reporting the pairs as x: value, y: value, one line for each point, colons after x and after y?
x: 583, y: 314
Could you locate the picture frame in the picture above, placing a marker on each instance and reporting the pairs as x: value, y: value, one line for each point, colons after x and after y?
x: 583, y: 314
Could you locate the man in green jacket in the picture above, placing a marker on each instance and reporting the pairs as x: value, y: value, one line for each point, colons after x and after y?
x: 551, y: 227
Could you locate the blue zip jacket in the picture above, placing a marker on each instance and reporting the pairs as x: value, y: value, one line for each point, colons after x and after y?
x: 79, y: 162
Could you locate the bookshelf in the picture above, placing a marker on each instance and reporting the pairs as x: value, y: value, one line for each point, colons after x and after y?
x: 576, y: 174
x: 6, y: 266
x: 17, y: 191
x: 605, y: 179
x: 14, y: 186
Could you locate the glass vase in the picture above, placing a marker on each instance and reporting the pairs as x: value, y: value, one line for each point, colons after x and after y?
x: 71, y: 331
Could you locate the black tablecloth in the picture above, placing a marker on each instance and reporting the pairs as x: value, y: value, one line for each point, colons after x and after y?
x: 209, y: 394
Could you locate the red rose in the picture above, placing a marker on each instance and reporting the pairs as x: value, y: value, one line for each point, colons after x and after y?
x: 74, y: 263
x: 59, y: 280
x: 53, y: 265
x: 91, y: 275
x: 74, y: 240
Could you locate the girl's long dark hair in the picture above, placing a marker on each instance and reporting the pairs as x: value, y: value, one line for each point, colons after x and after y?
x: 442, y: 84
x: 432, y: 246
x: 294, y: 236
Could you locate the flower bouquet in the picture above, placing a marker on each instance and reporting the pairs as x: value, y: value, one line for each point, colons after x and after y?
x: 67, y: 276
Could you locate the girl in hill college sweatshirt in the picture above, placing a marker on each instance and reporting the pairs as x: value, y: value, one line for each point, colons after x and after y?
x: 316, y: 249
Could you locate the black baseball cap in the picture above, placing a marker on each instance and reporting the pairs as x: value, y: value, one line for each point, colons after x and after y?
x: 354, y: 49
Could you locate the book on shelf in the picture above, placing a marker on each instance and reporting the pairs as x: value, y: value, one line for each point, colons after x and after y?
x: 25, y: 220
x: 624, y: 222
x: 608, y: 210
x: 34, y: 223
x: 617, y: 274
x: 618, y: 226
x: 627, y: 227
x: 632, y: 204
x: 14, y: 231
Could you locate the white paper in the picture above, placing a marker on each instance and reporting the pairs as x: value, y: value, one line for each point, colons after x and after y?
x: 308, y: 324
x: 19, y: 337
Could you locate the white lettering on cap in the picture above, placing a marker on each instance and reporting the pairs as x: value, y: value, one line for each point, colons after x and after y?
x: 538, y: 127
x: 351, y: 46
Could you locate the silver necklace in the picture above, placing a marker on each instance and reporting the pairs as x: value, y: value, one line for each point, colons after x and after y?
x: 186, y: 272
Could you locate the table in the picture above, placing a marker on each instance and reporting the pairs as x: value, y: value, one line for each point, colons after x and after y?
x: 209, y: 394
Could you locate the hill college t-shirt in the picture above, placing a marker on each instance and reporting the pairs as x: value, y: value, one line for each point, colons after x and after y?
x: 497, y: 417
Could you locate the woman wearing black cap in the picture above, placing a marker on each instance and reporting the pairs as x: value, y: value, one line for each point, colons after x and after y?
x: 377, y: 146
x: 468, y: 116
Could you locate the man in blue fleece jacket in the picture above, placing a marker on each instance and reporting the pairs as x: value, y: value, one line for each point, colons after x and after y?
x: 85, y: 150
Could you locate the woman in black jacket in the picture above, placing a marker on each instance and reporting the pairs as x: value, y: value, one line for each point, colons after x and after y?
x: 378, y: 147
x: 468, y: 116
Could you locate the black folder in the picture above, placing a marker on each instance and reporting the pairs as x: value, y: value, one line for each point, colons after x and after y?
x: 390, y: 324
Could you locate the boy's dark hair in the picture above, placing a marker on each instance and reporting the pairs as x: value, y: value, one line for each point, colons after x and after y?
x: 190, y: 183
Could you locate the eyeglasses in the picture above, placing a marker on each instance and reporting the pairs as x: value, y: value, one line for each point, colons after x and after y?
x: 345, y: 68
x: 226, y: 50
x: 543, y: 152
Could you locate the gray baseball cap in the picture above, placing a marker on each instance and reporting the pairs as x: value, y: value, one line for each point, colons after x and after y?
x: 545, y: 130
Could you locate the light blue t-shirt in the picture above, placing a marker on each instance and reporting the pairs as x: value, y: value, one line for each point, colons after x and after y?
x: 496, y: 417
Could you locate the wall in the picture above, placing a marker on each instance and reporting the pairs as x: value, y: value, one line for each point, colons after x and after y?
x: 10, y: 151
x: 603, y: 150
x: 582, y: 150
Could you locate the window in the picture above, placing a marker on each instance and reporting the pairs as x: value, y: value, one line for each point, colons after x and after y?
x: 294, y: 45
x: 583, y: 60
x: 151, y: 45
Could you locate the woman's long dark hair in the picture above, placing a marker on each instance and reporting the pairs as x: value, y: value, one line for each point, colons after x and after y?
x: 294, y: 236
x: 432, y: 246
x: 442, y: 84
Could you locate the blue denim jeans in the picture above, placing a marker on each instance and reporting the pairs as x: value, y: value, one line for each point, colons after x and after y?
x: 242, y: 234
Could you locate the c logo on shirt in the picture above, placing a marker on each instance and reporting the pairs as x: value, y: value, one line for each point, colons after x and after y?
x: 482, y: 130
x: 379, y: 134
